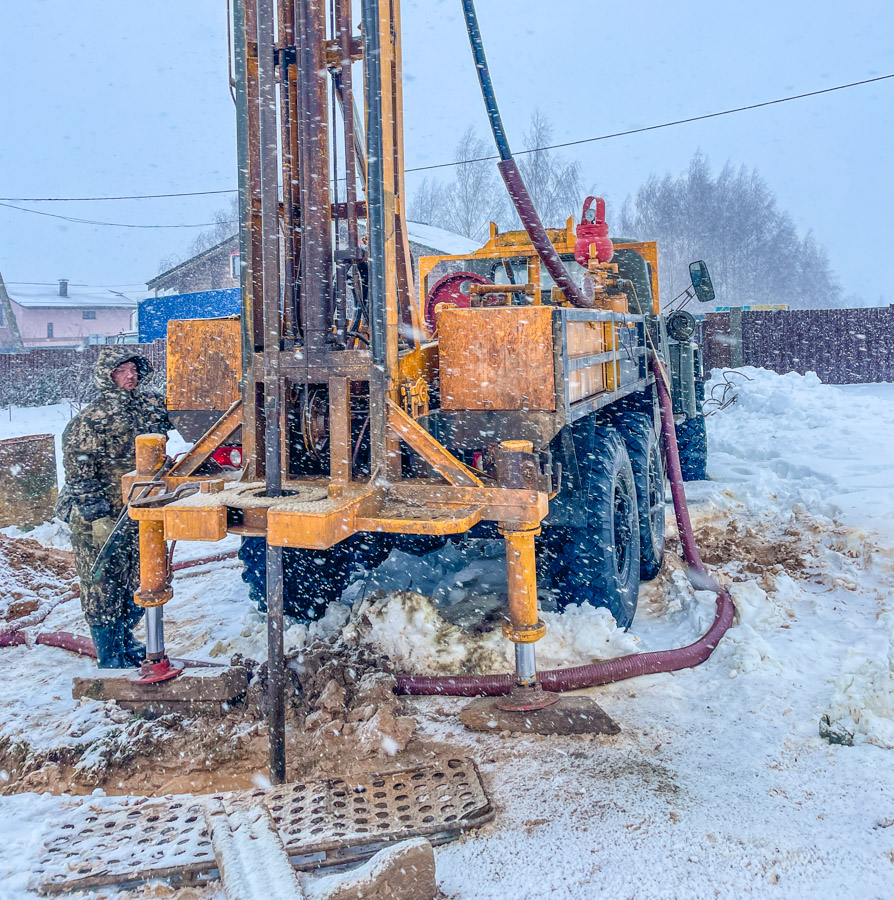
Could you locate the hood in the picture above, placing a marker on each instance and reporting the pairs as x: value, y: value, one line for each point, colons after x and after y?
x: 110, y: 357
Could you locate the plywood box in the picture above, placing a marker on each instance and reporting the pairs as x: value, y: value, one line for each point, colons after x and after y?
x: 497, y: 358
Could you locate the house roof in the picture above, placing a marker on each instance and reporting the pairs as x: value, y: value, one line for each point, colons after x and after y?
x: 440, y: 239
x: 47, y: 297
x: 152, y: 282
x: 437, y: 239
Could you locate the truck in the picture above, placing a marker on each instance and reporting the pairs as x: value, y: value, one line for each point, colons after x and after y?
x: 511, y: 392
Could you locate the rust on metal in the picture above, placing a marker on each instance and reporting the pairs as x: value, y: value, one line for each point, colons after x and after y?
x: 321, y: 823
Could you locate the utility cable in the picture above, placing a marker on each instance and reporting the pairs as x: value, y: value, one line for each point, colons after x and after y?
x: 616, y: 134
x: 601, y: 137
x: 78, y: 221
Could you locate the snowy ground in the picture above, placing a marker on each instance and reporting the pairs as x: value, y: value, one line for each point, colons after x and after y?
x: 719, y: 784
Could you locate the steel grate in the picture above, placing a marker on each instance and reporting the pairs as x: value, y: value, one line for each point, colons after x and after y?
x: 320, y: 823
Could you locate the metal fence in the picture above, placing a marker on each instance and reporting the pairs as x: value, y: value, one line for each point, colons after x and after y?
x: 50, y: 375
x: 843, y: 346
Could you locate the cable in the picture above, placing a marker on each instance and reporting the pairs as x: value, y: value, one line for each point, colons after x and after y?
x: 77, y: 221
x: 122, y: 197
x: 713, y: 115
x: 602, y: 137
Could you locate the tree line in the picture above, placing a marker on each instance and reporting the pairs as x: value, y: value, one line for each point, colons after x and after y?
x: 732, y: 220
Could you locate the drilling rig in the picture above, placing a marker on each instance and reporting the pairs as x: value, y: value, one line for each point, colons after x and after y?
x: 509, y: 394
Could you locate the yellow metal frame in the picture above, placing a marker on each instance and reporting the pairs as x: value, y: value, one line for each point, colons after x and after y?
x: 517, y: 244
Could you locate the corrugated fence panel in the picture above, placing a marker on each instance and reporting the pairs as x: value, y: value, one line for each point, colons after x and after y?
x: 50, y: 375
x: 843, y: 346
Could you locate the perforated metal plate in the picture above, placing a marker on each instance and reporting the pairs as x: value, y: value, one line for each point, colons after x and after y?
x: 320, y: 823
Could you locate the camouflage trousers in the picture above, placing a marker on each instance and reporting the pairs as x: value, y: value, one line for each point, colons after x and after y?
x: 108, y: 600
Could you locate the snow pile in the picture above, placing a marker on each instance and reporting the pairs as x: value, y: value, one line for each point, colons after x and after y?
x: 744, y: 645
x: 407, y: 628
x: 54, y: 534
x: 791, y: 438
x: 863, y: 702
x: 251, y: 641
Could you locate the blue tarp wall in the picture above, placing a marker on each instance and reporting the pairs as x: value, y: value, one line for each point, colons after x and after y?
x: 156, y: 312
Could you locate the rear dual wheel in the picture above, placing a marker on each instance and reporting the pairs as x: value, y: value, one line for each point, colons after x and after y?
x: 312, y: 579
x: 623, y: 542
x: 599, y: 563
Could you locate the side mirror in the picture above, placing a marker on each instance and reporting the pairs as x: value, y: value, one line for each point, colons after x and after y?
x: 701, y: 281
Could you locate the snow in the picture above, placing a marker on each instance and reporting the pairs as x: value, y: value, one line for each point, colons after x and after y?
x: 45, y: 296
x: 441, y: 240
x: 719, y: 784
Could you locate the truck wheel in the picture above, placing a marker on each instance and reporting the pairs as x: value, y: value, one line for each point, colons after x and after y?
x: 638, y: 431
x: 312, y: 579
x: 600, y: 564
x: 692, y: 441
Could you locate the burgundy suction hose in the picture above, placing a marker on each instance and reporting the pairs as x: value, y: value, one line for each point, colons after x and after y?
x: 623, y: 667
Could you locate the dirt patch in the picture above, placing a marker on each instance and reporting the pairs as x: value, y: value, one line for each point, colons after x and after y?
x: 750, y: 551
x: 342, y: 717
x: 30, y: 573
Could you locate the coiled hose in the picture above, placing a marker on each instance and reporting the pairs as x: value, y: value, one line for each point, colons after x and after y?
x: 623, y: 667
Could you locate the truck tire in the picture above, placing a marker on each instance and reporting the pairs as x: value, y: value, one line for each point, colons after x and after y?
x: 599, y: 564
x: 312, y: 579
x: 644, y: 449
x: 692, y: 441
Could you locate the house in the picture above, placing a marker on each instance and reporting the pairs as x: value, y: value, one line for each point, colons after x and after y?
x: 217, y: 268
x: 69, y: 316
x: 214, y: 269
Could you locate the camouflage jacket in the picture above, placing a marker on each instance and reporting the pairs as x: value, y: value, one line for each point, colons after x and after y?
x: 98, y: 445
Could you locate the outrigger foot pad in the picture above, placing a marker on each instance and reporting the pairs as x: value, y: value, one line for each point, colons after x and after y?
x: 564, y: 715
x: 154, y: 671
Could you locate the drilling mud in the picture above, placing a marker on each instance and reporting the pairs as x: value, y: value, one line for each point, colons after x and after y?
x: 31, y: 574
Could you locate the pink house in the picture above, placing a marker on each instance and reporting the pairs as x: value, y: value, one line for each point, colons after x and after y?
x: 69, y: 316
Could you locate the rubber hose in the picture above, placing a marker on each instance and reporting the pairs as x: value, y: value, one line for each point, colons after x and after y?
x: 623, y: 667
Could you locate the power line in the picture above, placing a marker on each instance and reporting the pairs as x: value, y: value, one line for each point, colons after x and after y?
x: 122, y: 197
x: 78, y: 221
x: 447, y: 165
x: 616, y: 134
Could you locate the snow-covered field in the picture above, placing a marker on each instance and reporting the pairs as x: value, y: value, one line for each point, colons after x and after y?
x: 719, y: 784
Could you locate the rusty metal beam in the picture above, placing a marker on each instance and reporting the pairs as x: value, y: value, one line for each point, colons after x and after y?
x: 434, y: 453
x: 219, y: 432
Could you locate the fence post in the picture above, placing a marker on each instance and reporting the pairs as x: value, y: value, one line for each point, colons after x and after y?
x: 735, y: 337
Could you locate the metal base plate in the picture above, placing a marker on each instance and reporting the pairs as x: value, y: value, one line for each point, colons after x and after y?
x: 320, y: 823
x: 570, y: 715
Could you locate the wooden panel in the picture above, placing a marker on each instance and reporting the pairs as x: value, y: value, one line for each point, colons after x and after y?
x: 204, y: 363
x: 497, y: 358
x: 27, y: 480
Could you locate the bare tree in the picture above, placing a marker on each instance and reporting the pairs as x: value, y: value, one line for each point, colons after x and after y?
x: 733, y: 222
x: 476, y: 196
x: 226, y: 224
x: 554, y: 182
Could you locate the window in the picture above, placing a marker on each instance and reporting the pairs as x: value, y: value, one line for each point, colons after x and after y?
x: 2, y: 323
x: 235, y: 267
x: 89, y: 313
x: 49, y: 329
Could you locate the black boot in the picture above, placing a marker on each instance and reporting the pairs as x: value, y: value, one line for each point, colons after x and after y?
x: 107, y: 641
x: 133, y: 651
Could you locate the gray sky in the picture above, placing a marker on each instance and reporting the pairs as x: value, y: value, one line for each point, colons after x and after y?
x: 121, y: 98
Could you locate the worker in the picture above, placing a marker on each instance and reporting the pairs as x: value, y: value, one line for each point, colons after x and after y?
x: 98, y: 448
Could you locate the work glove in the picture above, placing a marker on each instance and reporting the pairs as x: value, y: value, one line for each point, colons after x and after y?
x: 102, y: 528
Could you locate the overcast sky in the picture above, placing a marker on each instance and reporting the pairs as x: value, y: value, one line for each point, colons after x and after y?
x: 105, y: 98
